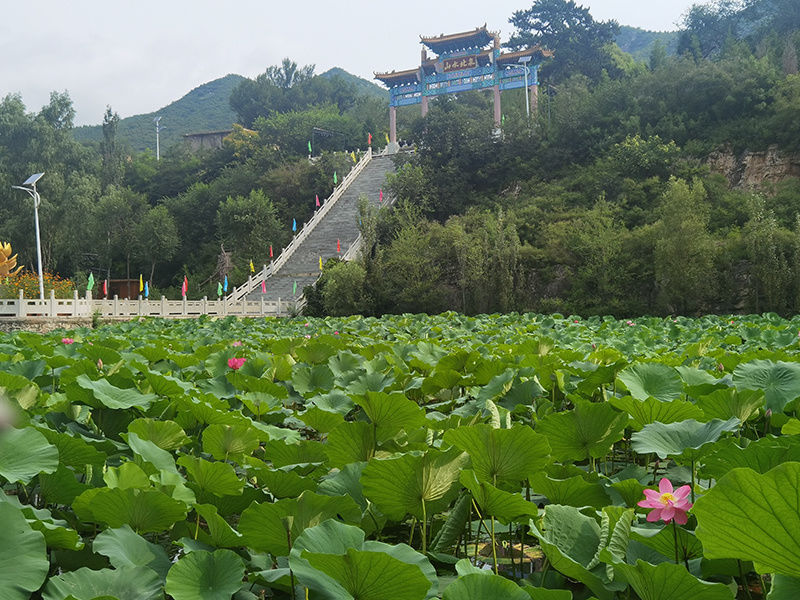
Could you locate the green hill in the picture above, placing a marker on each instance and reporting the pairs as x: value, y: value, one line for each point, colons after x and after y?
x: 639, y: 42
x: 205, y: 108
x: 362, y: 86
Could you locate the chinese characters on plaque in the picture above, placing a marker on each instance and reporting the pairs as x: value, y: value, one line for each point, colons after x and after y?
x: 459, y: 64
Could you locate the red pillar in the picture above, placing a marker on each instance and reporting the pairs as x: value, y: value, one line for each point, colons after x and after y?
x: 424, y: 105
x: 534, y: 91
x: 498, y: 112
x: 393, y: 124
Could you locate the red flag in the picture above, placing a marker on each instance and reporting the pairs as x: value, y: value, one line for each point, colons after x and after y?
x: 105, y: 287
x: 185, y: 286
x: 380, y: 196
x: 263, y: 286
x: 338, y: 245
x: 369, y: 139
x: 317, y: 196
x: 270, y: 250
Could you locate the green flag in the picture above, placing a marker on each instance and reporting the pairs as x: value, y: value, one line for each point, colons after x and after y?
x: 335, y: 178
x: 309, y: 146
x: 90, y: 282
x: 219, y: 289
x: 294, y: 288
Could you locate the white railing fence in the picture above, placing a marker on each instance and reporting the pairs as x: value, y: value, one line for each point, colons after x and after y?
x: 254, y: 280
x: 125, y: 308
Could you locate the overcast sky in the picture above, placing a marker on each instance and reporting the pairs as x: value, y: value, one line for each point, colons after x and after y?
x: 138, y: 56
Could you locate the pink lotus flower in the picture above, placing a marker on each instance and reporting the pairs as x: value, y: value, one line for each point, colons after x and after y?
x: 236, y: 343
x: 335, y: 333
x: 236, y: 363
x: 667, y: 504
x: 67, y: 341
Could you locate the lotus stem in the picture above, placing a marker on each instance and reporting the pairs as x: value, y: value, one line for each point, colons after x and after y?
x: 424, y: 528
x: 494, y: 547
x: 743, y: 577
x: 675, y: 539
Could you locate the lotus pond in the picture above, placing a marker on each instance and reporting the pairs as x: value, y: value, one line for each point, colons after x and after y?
x: 403, y: 458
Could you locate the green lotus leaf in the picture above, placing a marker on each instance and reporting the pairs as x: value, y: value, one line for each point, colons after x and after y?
x: 148, y: 452
x: 283, y: 454
x: 650, y: 410
x: 128, y: 583
x: 24, y: 453
x: 504, y: 506
x: 166, y: 385
x: 420, y: 485
x: 61, y: 486
x: 570, y: 541
x: 572, y: 491
x: 308, y: 380
x: 167, y: 435
x: 217, y: 478
x: 315, y: 352
x: 202, y: 575
x: 23, y: 555
x: 684, y: 438
x: 668, y: 581
x: 115, y: 397
x: 220, y: 533
x: 282, y: 484
x: 346, y: 482
x: 537, y: 593
x: 780, y: 381
x: 477, y: 586
x: 784, y: 588
x: 750, y: 516
x: 587, y: 431
x: 374, y: 575
x: 730, y: 402
x: 72, y: 450
x: 759, y: 455
x: 225, y: 442
x: 127, y: 475
x: 349, y: 443
x: 500, y: 455
x: 126, y: 548
x: 652, y: 380
x: 389, y: 413
x: 144, y: 510
x: 322, y: 421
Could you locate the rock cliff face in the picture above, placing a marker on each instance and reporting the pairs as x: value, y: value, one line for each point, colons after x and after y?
x: 753, y: 169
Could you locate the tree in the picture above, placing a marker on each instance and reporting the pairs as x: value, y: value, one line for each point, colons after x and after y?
x: 578, y: 41
x: 684, y: 250
x: 248, y: 225
x: 113, y: 166
x: 156, y: 237
x: 288, y: 74
x: 117, y: 215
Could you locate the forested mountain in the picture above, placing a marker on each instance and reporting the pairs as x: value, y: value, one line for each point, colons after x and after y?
x: 639, y: 43
x: 602, y: 203
x: 205, y: 108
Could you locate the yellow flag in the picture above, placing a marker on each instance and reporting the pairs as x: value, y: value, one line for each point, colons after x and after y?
x: 141, y: 283
x: 353, y: 154
x: 320, y: 263
x: 387, y: 137
x: 252, y: 268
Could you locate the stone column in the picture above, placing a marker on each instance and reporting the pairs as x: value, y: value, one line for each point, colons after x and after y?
x: 424, y: 105
x: 498, y: 111
x: 393, y: 124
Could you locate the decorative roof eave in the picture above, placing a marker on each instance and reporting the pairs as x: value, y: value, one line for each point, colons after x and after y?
x: 399, y: 77
x: 509, y: 58
x: 477, y: 38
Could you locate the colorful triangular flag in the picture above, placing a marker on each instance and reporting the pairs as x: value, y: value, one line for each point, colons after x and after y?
x: 317, y: 199
x: 353, y: 156
x: 380, y: 195
x: 90, y: 282
x: 294, y: 224
x: 270, y: 250
x: 252, y: 268
x: 105, y: 287
x: 219, y: 288
x: 141, y: 283
x: 225, y: 285
x: 338, y: 246
x: 387, y: 137
x: 309, y: 146
x: 294, y: 288
x: 263, y: 286
x: 146, y: 289
x: 369, y: 139
x: 320, y: 263
x: 335, y: 178
x: 185, y: 286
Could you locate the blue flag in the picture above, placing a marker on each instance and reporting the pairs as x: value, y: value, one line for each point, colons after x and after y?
x: 294, y: 225
x: 225, y: 285
x: 146, y: 289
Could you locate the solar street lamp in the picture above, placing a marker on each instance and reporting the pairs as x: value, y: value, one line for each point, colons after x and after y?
x: 158, y: 130
x: 31, y: 181
x: 524, y: 60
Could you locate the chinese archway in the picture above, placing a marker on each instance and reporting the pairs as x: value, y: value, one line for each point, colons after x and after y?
x: 471, y: 60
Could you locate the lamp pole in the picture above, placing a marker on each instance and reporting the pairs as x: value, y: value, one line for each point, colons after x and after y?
x: 31, y: 181
x: 524, y: 62
x: 158, y: 130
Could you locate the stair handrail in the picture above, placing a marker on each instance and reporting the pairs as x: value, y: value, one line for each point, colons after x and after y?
x: 240, y: 292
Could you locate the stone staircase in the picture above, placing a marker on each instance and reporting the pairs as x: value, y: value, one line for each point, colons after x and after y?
x: 340, y: 223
